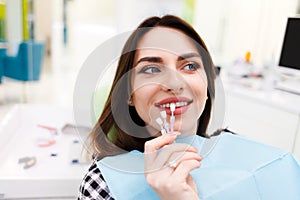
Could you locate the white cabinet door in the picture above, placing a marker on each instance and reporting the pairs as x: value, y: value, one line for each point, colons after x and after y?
x: 261, y: 122
x: 297, y: 143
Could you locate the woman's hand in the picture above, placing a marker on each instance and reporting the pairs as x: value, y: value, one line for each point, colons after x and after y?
x: 168, y: 166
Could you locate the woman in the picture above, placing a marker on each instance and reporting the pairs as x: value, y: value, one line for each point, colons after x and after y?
x: 163, y: 90
x: 190, y: 78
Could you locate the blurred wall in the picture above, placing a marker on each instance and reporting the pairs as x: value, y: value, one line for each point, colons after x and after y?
x: 230, y: 28
x: 235, y: 26
x: 43, y: 17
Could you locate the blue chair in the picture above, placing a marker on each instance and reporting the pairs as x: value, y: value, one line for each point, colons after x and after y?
x: 26, y: 66
x: 2, y: 55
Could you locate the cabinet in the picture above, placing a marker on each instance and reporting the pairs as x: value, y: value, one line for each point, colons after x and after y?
x: 271, y: 117
x: 297, y: 143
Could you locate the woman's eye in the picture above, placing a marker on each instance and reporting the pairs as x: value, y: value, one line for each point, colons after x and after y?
x: 191, y: 67
x: 151, y: 70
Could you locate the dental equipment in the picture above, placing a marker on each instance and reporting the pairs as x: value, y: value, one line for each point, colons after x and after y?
x: 29, y: 161
x: 172, y: 117
x: 164, y: 116
x: 160, y: 122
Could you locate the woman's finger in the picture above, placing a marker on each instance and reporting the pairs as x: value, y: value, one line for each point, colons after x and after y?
x: 190, y: 181
x: 153, y: 145
x: 182, y: 171
x: 157, y: 143
x: 178, y: 157
x: 168, y: 153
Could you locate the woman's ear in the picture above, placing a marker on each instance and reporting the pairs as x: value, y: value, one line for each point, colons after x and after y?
x: 130, y: 102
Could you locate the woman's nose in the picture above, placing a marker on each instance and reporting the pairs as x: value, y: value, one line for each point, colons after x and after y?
x: 174, y: 83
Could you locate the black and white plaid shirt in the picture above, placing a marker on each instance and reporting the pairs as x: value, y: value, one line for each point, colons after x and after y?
x: 93, y: 186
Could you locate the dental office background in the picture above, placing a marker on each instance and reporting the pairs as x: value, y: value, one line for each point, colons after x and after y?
x: 244, y: 38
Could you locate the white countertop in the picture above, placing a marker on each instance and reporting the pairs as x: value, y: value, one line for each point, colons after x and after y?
x: 19, y: 137
x: 256, y: 90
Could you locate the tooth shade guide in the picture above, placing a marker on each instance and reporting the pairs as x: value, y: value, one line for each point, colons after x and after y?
x: 172, y: 107
x: 163, y: 131
x: 165, y: 123
x: 159, y: 121
x: 172, y: 121
x: 163, y: 114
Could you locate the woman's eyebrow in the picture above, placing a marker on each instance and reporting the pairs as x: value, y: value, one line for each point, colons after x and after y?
x: 160, y: 60
x: 150, y: 59
x: 188, y: 55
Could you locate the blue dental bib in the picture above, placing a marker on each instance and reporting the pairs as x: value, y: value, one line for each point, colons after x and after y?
x: 232, y: 168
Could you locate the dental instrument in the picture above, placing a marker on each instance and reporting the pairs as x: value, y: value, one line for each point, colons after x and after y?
x: 172, y: 117
x: 160, y: 122
x: 29, y: 161
x: 164, y: 116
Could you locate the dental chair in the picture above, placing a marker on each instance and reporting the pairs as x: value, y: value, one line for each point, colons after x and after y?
x: 26, y: 66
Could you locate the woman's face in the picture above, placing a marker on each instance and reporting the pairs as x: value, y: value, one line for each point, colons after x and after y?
x: 168, y: 69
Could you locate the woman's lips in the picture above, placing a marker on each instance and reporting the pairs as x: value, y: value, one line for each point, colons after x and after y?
x: 173, y: 100
x: 181, y: 105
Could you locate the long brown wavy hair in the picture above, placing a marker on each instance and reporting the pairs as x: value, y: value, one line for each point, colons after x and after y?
x: 108, y: 136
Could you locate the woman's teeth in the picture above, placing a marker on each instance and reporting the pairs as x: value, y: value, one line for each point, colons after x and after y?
x: 177, y: 104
